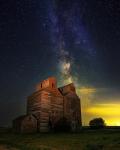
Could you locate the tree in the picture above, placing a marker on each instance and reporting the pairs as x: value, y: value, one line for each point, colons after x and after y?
x: 97, y: 123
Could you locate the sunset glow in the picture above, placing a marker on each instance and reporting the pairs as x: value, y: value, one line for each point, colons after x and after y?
x: 92, y: 107
x: 110, y: 112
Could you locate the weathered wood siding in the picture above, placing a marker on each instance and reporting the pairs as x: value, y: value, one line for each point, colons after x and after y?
x: 29, y: 124
x: 49, y: 103
x: 45, y: 110
x: 47, y: 106
x: 56, y: 108
x: 25, y: 124
x: 72, y: 108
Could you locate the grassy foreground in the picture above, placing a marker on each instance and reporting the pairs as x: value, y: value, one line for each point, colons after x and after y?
x: 85, y: 140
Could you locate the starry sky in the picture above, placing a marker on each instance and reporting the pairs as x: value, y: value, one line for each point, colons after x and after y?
x: 74, y: 40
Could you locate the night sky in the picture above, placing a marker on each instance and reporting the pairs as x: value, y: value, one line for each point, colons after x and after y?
x: 74, y: 40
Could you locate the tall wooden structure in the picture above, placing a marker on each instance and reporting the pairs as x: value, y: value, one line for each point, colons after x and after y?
x: 48, y: 104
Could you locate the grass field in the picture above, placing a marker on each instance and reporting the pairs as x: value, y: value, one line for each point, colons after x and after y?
x: 85, y: 140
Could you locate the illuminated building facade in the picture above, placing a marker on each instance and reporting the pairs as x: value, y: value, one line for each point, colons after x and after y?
x: 47, y: 105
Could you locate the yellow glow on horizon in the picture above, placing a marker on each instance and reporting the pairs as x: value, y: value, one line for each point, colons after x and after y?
x: 109, y: 112
x: 90, y: 108
x: 110, y: 109
x: 113, y: 122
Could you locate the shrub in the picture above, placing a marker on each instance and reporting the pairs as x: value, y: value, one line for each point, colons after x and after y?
x: 97, y: 123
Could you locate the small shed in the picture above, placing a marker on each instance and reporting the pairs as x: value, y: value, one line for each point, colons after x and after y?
x: 25, y: 124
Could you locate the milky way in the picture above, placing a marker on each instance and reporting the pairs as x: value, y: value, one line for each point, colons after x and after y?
x: 67, y: 30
